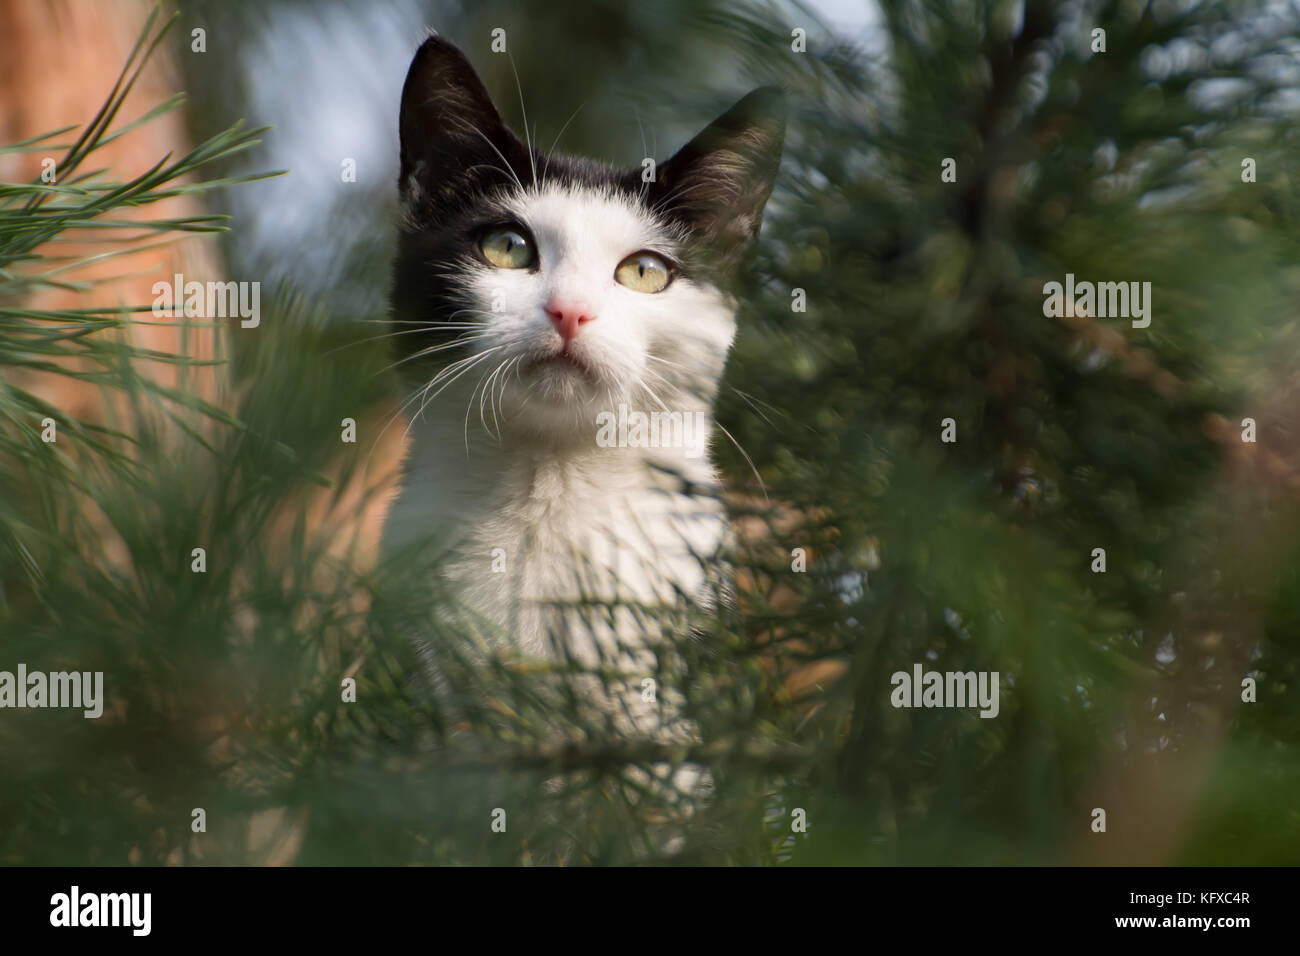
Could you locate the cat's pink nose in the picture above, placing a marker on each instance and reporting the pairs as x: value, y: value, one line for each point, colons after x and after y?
x: 568, y: 319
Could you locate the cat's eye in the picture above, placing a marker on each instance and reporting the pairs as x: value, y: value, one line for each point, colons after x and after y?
x: 507, y: 248
x: 644, y: 272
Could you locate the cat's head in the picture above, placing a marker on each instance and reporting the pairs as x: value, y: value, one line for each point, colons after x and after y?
x: 549, y: 288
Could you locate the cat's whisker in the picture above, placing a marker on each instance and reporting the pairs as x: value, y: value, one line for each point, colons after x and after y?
x: 469, y: 404
x: 754, y: 403
x: 422, y: 322
x: 470, y: 169
x: 489, y: 389
x: 393, y: 335
x: 645, y: 185
x: 686, y: 378
x: 456, y: 369
x: 397, y: 413
x: 762, y: 487
x: 432, y: 328
x: 724, y: 431
x: 460, y: 340
x: 471, y: 311
x: 423, y: 390
x: 479, y: 388
x: 422, y: 353
x: 651, y: 392
x: 528, y: 140
x: 505, y: 381
x: 419, y: 391
x: 470, y: 363
x: 672, y: 386
x: 506, y: 167
x: 551, y: 152
x: 495, y: 406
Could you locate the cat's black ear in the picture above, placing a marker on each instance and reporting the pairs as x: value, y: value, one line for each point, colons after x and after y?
x: 452, y: 137
x: 719, y: 182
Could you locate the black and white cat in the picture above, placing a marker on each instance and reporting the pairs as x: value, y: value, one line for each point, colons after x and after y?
x: 535, y: 297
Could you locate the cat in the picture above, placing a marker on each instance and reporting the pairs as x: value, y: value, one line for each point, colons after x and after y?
x: 534, y: 297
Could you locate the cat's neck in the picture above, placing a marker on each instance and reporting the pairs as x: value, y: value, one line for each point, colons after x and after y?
x: 562, y: 522
x: 457, y: 473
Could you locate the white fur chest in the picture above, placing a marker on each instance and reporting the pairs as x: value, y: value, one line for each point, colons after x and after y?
x: 546, y: 541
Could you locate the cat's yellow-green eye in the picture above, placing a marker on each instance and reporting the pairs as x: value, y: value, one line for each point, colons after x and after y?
x: 507, y: 248
x: 643, y: 272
